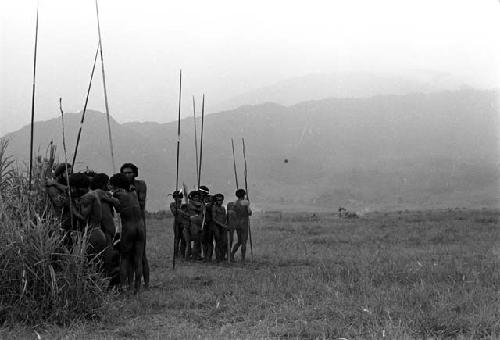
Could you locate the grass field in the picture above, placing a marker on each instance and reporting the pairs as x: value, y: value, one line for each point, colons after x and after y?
x: 429, y: 274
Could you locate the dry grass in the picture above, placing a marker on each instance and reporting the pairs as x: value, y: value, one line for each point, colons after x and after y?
x: 40, y: 280
x: 408, y: 275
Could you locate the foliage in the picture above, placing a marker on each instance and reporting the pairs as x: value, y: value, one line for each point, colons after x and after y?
x: 40, y: 279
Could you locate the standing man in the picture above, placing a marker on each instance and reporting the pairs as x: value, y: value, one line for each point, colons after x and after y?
x: 181, y: 219
x: 195, y: 211
x: 206, y: 199
x: 239, y: 212
x: 57, y: 191
x: 133, y: 235
x: 131, y: 172
x: 218, y: 227
x: 89, y: 214
x: 99, y: 185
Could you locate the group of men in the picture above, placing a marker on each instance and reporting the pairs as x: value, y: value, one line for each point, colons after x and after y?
x: 88, y: 201
x: 203, y: 227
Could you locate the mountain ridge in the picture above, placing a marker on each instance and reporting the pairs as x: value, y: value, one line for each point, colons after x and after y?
x: 382, y: 152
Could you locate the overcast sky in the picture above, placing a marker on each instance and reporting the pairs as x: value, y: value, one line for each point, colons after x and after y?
x: 226, y: 48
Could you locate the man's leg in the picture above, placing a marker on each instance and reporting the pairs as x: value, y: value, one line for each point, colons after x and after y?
x: 182, y: 240
x: 196, y: 237
x: 203, y: 240
x: 210, y: 242
x: 124, y: 268
x: 197, y: 245
x: 126, y: 258
x: 244, y: 238
x: 144, y: 261
x: 237, y: 245
x: 187, y: 239
x: 231, y: 238
x: 218, y: 243
x: 138, y: 261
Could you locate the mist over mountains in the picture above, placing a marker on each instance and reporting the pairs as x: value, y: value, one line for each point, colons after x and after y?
x: 420, y: 150
x: 345, y: 85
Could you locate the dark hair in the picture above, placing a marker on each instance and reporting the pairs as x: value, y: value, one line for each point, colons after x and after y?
x: 61, y: 168
x: 177, y: 194
x: 120, y: 181
x: 219, y: 197
x: 240, y: 193
x: 193, y: 194
x: 90, y: 173
x: 79, y: 180
x: 99, y: 181
x: 134, y: 168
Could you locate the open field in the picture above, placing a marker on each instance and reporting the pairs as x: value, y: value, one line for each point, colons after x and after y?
x: 429, y: 274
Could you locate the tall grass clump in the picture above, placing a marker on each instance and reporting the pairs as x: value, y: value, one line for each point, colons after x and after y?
x: 40, y: 279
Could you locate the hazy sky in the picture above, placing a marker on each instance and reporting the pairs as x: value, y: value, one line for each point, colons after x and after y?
x: 226, y: 48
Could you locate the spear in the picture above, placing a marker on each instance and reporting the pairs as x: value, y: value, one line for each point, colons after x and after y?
x: 84, y: 109
x: 246, y: 189
x: 106, y: 105
x: 234, y: 166
x: 237, y: 187
x: 196, y: 142
x: 33, y: 102
x: 178, y: 132
x: 201, y: 138
x: 66, y: 163
x: 178, y: 148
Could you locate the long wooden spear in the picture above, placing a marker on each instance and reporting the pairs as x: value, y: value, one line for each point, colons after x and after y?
x: 237, y: 187
x: 196, y: 143
x: 201, y: 139
x: 177, y: 164
x: 33, y: 102
x: 66, y: 163
x: 82, y: 120
x: 178, y: 132
x: 246, y: 189
x: 234, y: 166
x: 105, y: 91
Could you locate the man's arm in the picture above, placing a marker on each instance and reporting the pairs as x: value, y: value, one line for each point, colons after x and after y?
x: 85, y: 205
x: 246, y: 203
x: 222, y: 225
x: 116, y: 195
x: 59, y: 200
x: 173, y: 208
x: 106, y: 197
x: 50, y: 182
x: 142, y: 190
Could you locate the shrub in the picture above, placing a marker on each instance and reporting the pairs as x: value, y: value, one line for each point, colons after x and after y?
x: 40, y: 280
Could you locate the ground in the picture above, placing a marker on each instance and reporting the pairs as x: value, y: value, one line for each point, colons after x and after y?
x: 419, y: 274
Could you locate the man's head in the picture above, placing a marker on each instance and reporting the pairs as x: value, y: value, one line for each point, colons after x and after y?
x: 218, y: 199
x: 194, y: 196
x: 240, y: 193
x: 119, y: 181
x: 60, y: 171
x: 90, y: 173
x: 100, y: 181
x: 79, y: 184
x: 177, y: 195
x: 204, y: 191
x: 130, y: 171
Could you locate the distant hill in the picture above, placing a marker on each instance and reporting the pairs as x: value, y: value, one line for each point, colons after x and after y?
x: 384, y: 152
x: 344, y: 85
